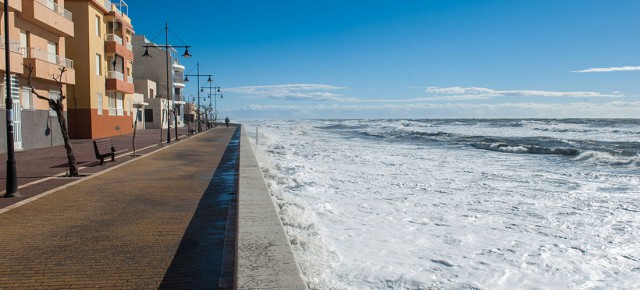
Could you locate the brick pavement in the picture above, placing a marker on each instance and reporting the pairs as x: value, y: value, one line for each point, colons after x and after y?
x: 120, y: 229
x: 47, y: 164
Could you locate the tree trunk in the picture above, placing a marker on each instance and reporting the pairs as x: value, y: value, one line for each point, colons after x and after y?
x: 73, y: 165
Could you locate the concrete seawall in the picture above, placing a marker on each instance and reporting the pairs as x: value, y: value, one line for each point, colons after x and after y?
x: 264, y: 256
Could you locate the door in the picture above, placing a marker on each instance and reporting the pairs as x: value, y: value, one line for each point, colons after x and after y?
x: 52, y: 51
x: 24, y: 43
x: 17, y: 124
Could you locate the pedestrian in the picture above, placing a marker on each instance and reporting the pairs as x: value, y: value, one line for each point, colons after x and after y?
x: 226, y: 121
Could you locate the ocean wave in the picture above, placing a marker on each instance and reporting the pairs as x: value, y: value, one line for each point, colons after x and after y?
x: 609, y: 158
x: 525, y: 149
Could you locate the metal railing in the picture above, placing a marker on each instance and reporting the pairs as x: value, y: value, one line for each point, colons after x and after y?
x: 53, y: 6
x: 178, y: 80
x: 115, y: 75
x: 113, y: 37
x: 13, y: 45
x: 34, y: 52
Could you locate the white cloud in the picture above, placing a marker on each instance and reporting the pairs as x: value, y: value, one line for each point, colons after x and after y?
x: 608, y: 69
x: 313, y: 92
x: 479, y: 93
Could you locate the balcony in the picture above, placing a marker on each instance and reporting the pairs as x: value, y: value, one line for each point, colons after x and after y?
x: 178, y: 82
x: 14, y: 5
x: 16, y: 56
x: 116, y: 82
x: 119, y: 9
x: 47, y: 65
x: 48, y: 15
x: 178, y: 66
x: 113, y: 44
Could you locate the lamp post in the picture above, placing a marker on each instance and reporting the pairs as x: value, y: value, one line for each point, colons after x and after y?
x: 12, y: 175
x: 215, y: 90
x: 198, y: 75
x: 186, y: 54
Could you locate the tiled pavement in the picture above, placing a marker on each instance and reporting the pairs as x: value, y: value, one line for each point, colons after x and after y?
x: 123, y: 228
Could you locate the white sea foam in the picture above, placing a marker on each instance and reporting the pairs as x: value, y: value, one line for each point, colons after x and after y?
x: 368, y: 212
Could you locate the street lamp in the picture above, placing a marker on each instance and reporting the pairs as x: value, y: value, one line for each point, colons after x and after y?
x: 198, y: 75
x: 186, y: 54
x: 215, y: 94
x: 12, y: 175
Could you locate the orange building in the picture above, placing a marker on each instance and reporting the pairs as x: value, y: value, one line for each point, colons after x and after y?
x: 102, y: 101
x: 38, y: 30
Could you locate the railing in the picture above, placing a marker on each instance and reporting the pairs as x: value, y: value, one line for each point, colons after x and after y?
x: 130, y: 79
x: 178, y: 80
x: 129, y: 46
x: 118, y: 7
x: 115, y: 75
x: 113, y: 37
x: 13, y: 45
x: 33, y: 52
x: 53, y: 6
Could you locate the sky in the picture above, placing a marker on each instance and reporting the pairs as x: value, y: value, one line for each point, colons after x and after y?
x: 376, y: 59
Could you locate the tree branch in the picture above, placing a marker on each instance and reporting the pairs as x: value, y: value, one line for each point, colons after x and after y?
x: 30, y: 84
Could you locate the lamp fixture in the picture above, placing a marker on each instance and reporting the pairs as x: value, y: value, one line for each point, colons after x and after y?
x: 146, y: 52
x: 186, y: 53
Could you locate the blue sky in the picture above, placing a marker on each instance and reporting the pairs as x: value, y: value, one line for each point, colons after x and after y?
x: 409, y: 58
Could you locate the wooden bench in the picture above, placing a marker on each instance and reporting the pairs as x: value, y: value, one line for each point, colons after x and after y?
x: 104, y: 148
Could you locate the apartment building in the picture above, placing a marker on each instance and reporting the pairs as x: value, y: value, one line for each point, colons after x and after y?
x: 102, y: 102
x: 38, y: 30
x: 153, y: 70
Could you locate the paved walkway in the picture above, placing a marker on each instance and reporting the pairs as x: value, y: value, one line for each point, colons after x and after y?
x: 43, y: 169
x: 141, y: 225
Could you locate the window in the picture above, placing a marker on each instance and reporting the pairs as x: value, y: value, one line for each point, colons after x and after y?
x: 54, y: 95
x: 98, y: 64
x: 128, y: 107
x: 98, y: 22
x: 100, y: 103
x: 27, y: 98
x: 151, y: 95
x: 112, y: 103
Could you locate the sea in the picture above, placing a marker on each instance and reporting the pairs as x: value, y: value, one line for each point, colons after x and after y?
x: 457, y: 204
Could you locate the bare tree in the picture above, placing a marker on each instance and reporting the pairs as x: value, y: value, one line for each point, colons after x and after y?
x: 58, y: 106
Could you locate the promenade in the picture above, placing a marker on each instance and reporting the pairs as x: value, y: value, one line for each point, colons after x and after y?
x: 143, y: 222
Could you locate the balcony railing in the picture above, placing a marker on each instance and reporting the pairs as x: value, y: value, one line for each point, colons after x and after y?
x: 113, y: 37
x: 13, y: 45
x: 178, y: 80
x: 130, y: 79
x: 115, y: 75
x: 33, y: 52
x: 129, y: 46
x: 118, y: 9
x: 53, y: 6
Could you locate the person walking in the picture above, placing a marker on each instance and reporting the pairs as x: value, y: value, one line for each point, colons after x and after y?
x: 226, y: 121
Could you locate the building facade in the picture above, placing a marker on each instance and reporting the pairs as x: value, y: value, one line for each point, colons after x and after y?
x: 102, y: 100
x: 154, y: 70
x: 38, y: 30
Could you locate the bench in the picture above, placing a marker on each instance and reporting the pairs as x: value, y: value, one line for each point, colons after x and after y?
x: 104, y: 148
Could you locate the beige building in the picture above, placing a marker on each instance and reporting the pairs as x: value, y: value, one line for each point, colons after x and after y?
x: 38, y: 30
x: 101, y: 47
